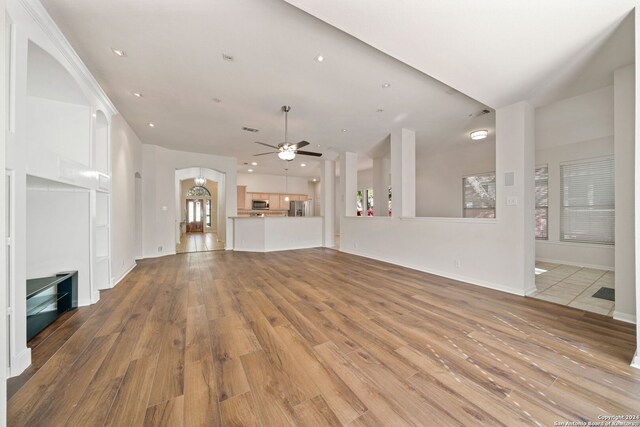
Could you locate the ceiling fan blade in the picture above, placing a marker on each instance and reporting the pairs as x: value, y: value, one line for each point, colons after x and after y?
x: 268, y: 145
x: 264, y: 154
x: 300, y: 145
x: 308, y: 153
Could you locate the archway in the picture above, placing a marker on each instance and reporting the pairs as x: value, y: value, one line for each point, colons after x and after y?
x: 200, y: 210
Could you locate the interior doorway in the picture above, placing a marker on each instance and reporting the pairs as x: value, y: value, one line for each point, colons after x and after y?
x: 199, y: 225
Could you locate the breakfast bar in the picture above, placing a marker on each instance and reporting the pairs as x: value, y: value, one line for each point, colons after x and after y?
x: 266, y: 234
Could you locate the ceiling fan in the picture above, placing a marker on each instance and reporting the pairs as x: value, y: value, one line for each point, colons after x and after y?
x: 286, y: 150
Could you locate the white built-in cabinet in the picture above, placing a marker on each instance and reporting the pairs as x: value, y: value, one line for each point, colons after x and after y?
x: 59, y: 162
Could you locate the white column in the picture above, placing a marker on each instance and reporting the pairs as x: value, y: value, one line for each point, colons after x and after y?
x: 623, y: 143
x: 636, y: 120
x: 348, y: 183
x: 403, y: 173
x: 515, y: 187
x: 328, y: 202
x: 381, y: 183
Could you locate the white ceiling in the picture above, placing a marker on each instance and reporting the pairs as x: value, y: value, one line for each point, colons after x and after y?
x: 496, y: 51
x: 174, y: 58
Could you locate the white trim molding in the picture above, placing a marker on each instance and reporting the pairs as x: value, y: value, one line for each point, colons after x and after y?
x: 39, y: 14
x: 635, y: 363
x: 20, y: 362
x: 114, y: 282
x: 624, y: 317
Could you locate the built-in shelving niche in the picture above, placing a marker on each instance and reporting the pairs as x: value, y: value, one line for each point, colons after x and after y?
x: 58, y: 228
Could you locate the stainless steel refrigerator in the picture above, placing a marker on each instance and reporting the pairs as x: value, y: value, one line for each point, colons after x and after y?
x: 300, y: 208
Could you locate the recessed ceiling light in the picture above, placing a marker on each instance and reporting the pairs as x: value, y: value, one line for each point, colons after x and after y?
x: 250, y: 170
x: 151, y: 125
x: 343, y: 130
x: 303, y: 164
x: 118, y: 52
x: 318, y: 145
x: 217, y: 100
x: 386, y: 85
x: 254, y: 163
x: 137, y: 94
x: 319, y: 58
x: 479, y: 134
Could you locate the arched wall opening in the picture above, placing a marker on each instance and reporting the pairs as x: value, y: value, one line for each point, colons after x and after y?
x: 213, y: 176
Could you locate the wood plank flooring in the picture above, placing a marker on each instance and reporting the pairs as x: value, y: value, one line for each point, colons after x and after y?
x: 320, y: 338
x: 199, y: 242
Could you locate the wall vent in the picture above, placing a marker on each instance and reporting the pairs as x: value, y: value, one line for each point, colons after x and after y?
x: 248, y: 129
x: 227, y: 57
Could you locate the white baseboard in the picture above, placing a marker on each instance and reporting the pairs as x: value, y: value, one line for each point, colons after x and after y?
x: 576, y: 264
x: 95, y: 297
x: 460, y: 278
x: 531, y: 290
x: 83, y: 302
x: 114, y: 282
x: 624, y: 317
x: 635, y: 363
x: 21, y: 362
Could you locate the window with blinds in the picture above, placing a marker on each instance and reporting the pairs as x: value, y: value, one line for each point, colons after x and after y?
x: 479, y: 196
x: 542, y: 202
x: 587, y: 211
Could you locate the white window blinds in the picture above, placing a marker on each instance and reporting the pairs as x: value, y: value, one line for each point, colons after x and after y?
x: 542, y: 202
x: 587, y: 211
x: 479, y: 196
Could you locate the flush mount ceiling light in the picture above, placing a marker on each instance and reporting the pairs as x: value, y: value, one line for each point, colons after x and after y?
x: 314, y: 180
x: 137, y: 94
x: 151, y: 125
x: 254, y: 163
x: 386, y: 85
x: 319, y: 58
x: 118, y: 52
x: 479, y: 134
x: 249, y: 170
x: 303, y: 164
x: 200, y: 180
x: 343, y: 130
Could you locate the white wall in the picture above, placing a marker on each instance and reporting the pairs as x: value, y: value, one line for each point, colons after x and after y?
x: 126, y: 160
x: 262, y: 183
x: 496, y: 253
x: 439, y: 176
x: 3, y: 254
x: 159, y: 167
x: 573, y: 129
x: 57, y: 229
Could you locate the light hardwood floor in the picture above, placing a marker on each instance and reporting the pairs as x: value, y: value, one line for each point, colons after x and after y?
x: 317, y: 337
x: 199, y: 242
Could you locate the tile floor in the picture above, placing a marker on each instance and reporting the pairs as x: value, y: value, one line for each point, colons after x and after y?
x: 573, y: 286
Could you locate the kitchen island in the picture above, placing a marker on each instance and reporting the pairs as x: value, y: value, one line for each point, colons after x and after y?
x: 266, y: 234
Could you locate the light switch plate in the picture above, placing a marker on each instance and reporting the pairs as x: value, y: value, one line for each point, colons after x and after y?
x: 512, y: 201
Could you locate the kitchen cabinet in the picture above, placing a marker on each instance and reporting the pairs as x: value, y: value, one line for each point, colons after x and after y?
x: 242, y: 197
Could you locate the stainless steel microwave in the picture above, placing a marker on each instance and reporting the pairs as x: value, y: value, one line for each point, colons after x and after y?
x: 259, y: 204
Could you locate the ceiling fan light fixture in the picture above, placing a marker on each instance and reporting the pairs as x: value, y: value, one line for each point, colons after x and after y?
x: 287, y: 155
x: 479, y: 134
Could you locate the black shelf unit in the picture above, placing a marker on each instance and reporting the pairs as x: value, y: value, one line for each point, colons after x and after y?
x: 48, y: 298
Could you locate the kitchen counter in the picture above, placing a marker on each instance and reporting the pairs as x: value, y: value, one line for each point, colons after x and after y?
x: 266, y: 234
